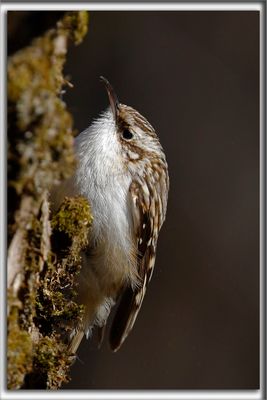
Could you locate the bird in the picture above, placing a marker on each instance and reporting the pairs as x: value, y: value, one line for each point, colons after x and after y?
x: 123, y: 173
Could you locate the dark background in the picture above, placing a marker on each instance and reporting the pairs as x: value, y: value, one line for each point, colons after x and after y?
x: 195, y: 76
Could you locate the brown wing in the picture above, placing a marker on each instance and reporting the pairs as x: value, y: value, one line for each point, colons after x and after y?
x: 148, y: 202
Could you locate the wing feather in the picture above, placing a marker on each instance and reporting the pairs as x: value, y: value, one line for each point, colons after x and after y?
x: 148, y: 211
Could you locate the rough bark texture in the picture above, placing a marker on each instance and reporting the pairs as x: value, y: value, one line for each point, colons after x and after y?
x: 43, y: 250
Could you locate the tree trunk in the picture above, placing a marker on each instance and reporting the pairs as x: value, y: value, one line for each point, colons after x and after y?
x: 43, y: 250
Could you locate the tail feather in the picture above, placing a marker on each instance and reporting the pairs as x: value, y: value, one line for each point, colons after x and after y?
x: 125, y: 316
x: 75, y: 341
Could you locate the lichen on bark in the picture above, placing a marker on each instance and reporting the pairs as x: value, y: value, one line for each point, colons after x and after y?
x: 42, y: 270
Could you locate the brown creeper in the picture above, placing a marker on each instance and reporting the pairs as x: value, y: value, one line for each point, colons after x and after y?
x: 122, y: 171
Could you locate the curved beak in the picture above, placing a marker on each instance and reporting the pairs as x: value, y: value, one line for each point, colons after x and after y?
x: 113, y: 99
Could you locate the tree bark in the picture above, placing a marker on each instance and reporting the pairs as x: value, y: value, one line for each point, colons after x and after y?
x: 43, y: 254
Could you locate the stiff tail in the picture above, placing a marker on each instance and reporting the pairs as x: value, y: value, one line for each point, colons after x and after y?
x: 125, y: 316
x: 75, y: 341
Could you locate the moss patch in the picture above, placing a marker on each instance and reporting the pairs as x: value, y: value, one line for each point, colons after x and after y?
x: 50, y: 365
x: 57, y: 310
x: 40, y: 154
x: 73, y: 219
x: 19, y: 350
x: 41, y: 128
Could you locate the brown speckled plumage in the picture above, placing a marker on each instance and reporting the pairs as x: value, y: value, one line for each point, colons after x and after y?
x: 123, y: 172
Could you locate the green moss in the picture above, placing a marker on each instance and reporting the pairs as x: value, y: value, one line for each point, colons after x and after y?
x: 40, y: 65
x: 50, y: 364
x: 56, y: 307
x: 73, y: 219
x: 51, y: 361
x: 41, y: 134
x: 19, y: 349
x: 28, y: 291
x: 40, y: 154
x: 57, y: 310
x: 79, y: 24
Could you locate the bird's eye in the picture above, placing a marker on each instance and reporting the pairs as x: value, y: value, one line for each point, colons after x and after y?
x: 126, y: 134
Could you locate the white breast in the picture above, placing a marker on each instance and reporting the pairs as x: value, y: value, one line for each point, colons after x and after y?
x: 101, y: 177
